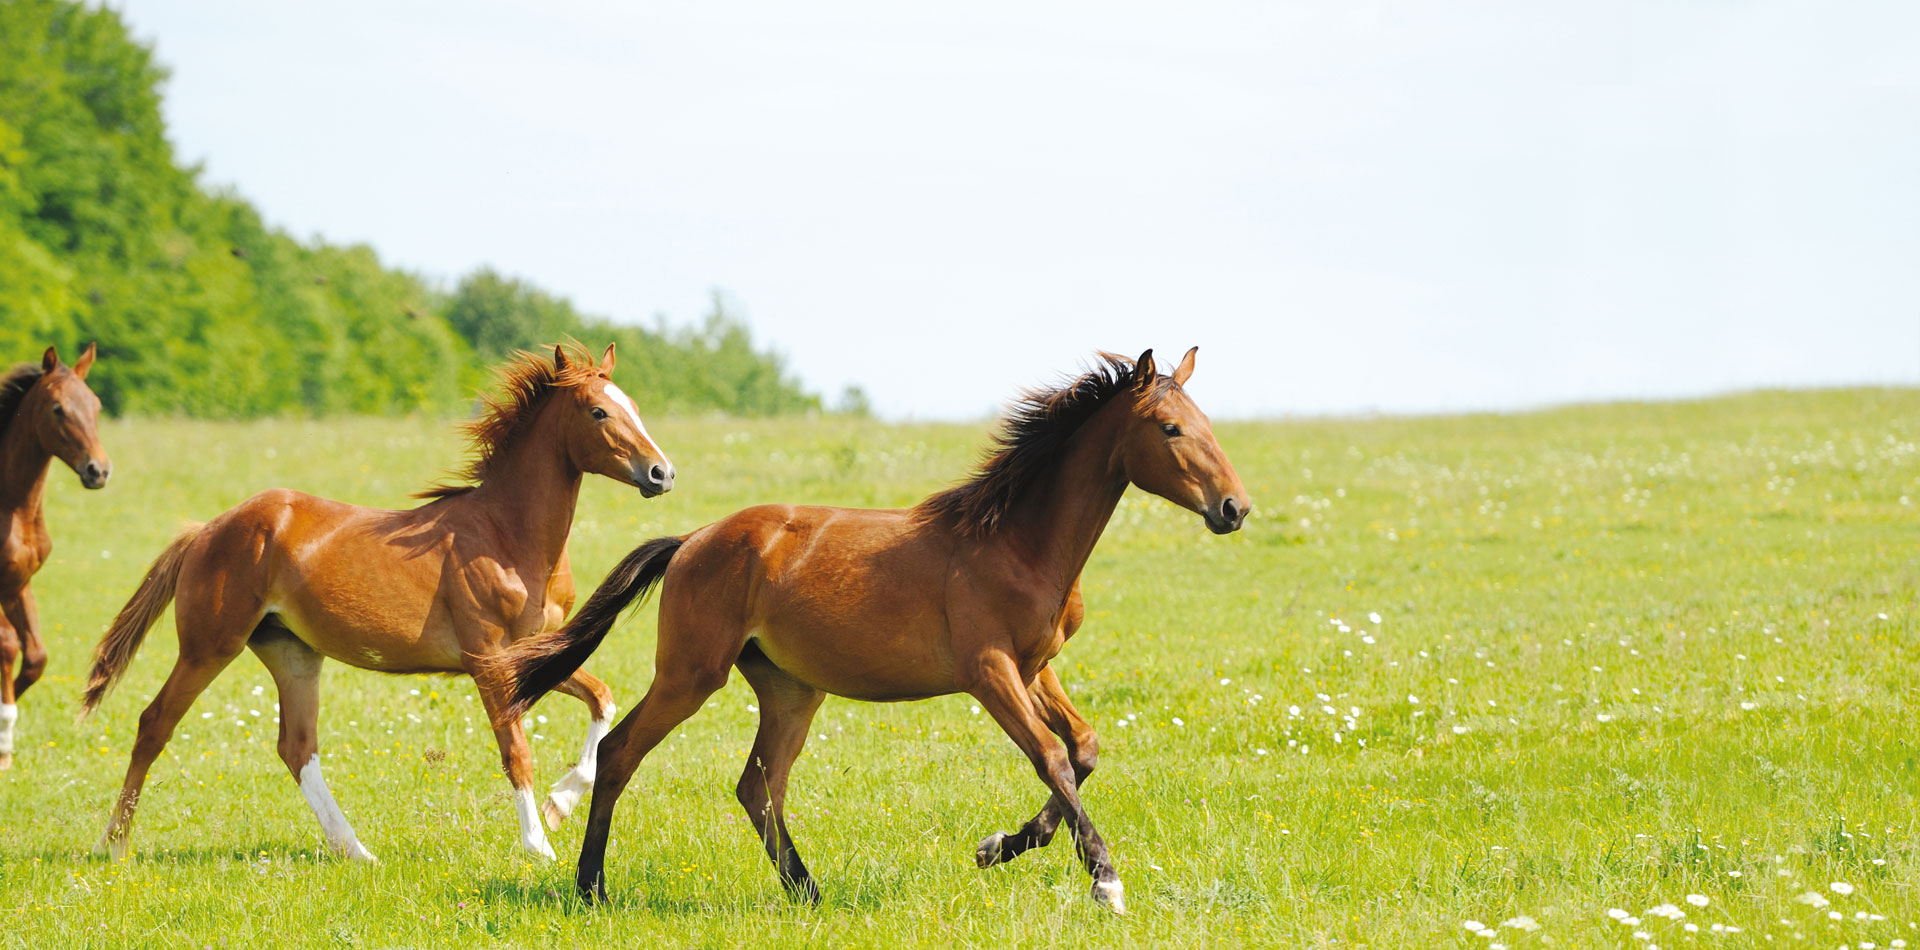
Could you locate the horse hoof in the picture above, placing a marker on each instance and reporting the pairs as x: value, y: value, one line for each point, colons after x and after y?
x: 1111, y: 895
x: 805, y: 892
x: 115, y: 849
x: 6, y: 761
x: 540, y: 849
x: 990, y: 850
x: 551, y: 814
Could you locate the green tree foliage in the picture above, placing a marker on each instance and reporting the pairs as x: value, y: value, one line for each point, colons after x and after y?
x: 201, y: 308
x: 712, y: 366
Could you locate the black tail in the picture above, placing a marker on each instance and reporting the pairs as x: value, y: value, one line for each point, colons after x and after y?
x: 532, y: 667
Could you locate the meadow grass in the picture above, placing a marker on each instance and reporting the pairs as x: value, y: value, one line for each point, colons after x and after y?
x: 1654, y: 659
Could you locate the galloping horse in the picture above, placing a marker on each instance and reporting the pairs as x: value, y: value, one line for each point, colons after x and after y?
x: 974, y: 590
x: 46, y: 411
x: 297, y: 578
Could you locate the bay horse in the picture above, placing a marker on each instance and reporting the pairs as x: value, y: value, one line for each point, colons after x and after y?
x: 46, y: 412
x: 974, y: 590
x: 297, y: 579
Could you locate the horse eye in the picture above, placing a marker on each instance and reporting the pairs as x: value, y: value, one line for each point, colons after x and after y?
x: 599, y: 413
x: 59, y: 410
x: 1170, y: 429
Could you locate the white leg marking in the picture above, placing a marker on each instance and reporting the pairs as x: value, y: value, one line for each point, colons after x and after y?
x: 574, y: 785
x: 340, y: 836
x: 9, y: 714
x: 532, y: 836
x: 626, y: 403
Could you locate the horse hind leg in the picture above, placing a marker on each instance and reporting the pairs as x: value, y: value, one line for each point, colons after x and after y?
x: 574, y: 785
x: 295, y: 668
x: 676, y: 693
x: 201, y: 659
x: 787, y: 707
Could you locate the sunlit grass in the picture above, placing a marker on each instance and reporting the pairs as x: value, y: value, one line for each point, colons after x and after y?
x: 1655, y: 659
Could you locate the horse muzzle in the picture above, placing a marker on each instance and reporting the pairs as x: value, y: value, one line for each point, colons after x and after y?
x: 1228, y: 516
x: 94, y: 474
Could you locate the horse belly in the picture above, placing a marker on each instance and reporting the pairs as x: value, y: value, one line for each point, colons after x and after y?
x: 878, y: 664
x: 392, y: 629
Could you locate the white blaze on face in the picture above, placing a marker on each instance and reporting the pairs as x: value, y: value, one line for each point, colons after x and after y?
x: 633, y: 413
x: 9, y: 714
x: 340, y: 835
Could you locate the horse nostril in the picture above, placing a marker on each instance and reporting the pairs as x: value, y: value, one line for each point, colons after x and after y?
x: 1227, y: 510
x: 658, y: 475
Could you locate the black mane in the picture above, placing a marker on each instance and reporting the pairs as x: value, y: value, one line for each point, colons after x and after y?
x: 1030, y: 441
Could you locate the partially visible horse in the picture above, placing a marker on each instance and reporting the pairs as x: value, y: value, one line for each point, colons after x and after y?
x: 297, y: 579
x: 46, y: 412
x: 975, y: 591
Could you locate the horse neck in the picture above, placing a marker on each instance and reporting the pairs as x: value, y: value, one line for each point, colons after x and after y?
x: 530, y: 490
x: 1056, y: 525
x: 24, y: 462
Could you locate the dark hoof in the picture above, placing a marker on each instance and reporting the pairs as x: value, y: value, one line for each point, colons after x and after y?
x: 595, y: 893
x: 992, y: 850
x: 804, y: 891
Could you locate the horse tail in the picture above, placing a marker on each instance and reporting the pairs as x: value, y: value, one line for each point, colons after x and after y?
x: 531, y: 667
x: 122, y: 640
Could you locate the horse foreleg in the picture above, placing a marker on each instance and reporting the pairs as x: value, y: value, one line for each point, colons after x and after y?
x: 996, y: 683
x: 516, y: 759
x: 1083, y: 748
x: 25, y: 617
x: 574, y: 785
x: 9, y: 710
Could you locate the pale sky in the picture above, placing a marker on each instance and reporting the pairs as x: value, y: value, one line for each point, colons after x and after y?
x: 1347, y: 206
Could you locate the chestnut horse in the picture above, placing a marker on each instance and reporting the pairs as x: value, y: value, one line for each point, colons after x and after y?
x: 46, y: 412
x: 974, y: 590
x: 297, y: 578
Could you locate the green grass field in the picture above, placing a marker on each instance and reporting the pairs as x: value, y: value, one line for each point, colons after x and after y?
x: 1647, y: 659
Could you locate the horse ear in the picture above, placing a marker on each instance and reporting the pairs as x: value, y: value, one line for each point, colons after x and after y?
x: 1143, y: 371
x: 606, y: 361
x: 1185, y: 369
x: 559, y: 358
x: 84, y: 363
x: 49, y: 361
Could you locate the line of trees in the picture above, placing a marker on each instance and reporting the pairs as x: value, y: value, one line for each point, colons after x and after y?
x: 201, y: 308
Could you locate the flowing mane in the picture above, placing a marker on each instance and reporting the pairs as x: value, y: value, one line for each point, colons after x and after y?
x: 13, y: 388
x: 1030, y: 440
x: 525, y: 381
